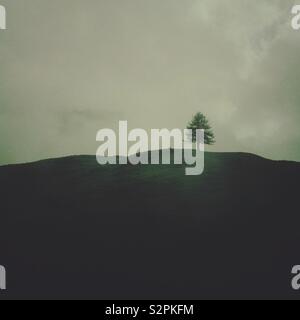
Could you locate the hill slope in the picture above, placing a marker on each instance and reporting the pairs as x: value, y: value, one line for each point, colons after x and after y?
x: 73, y: 229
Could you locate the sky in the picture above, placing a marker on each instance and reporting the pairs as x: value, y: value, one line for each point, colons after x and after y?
x: 71, y: 67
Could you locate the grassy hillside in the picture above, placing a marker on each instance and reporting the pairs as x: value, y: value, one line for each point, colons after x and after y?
x: 73, y: 229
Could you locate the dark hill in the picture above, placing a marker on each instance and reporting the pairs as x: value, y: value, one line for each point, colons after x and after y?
x: 73, y: 229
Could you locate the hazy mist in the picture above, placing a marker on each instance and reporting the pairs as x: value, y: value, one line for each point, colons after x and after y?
x: 71, y: 67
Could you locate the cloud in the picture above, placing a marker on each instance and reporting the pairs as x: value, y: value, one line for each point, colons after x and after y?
x: 69, y: 68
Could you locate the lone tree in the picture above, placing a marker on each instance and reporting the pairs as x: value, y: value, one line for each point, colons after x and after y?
x: 199, y: 121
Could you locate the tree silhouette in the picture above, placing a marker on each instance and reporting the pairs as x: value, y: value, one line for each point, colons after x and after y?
x: 199, y: 121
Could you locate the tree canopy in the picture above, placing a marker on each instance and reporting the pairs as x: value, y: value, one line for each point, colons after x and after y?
x: 199, y: 121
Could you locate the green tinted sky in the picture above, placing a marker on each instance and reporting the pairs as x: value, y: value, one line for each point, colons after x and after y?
x: 71, y: 67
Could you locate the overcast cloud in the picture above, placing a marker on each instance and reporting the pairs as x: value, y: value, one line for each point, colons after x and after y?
x: 71, y: 67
